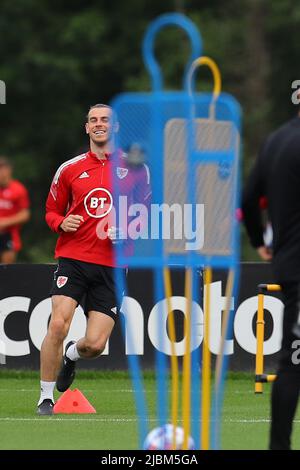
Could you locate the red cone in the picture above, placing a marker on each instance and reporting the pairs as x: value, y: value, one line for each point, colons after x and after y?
x: 73, y: 401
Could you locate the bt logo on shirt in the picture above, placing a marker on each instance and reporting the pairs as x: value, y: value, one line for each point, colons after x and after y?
x: 98, y: 203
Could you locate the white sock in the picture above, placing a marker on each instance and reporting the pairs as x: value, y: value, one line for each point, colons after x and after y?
x: 47, y: 389
x: 72, y: 353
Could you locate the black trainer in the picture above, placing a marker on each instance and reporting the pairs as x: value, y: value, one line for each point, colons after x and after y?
x: 67, y: 372
x: 46, y: 407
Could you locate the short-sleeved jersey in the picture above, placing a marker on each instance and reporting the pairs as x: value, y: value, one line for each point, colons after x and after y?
x: 84, y: 186
x: 13, y: 199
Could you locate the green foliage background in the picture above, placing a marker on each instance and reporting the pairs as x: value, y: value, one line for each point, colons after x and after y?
x: 60, y: 56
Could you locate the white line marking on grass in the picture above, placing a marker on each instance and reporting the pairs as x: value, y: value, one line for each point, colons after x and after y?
x: 22, y: 390
x: 125, y: 420
x: 10, y: 390
x: 250, y: 421
x: 53, y: 419
x: 253, y: 421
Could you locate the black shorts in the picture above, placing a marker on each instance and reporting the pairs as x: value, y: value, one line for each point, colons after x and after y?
x: 6, y: 243
x: 92, y: 285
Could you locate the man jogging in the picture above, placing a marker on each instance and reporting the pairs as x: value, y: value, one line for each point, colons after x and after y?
x: 79, y: 201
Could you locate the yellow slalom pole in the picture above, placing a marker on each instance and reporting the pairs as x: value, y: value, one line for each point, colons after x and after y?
x: 174, y: 359
x: 186, y: 392
x: 260, y: 329
x: 206, y: 366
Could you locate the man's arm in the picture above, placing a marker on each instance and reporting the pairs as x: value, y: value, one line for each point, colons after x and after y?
x: 142, y: 189
x: 252, y: 215
x: 22, y: 213
x: 143, y: 193
x: 19, y: 218
x: 57, y: 204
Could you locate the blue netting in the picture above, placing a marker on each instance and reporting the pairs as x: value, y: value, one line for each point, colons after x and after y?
x: 178, y: 148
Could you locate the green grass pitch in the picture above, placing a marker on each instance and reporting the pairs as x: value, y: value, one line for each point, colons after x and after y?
x: 245, y: 415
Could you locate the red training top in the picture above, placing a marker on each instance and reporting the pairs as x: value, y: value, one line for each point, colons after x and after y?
x: 13, y: 199
x: 83, y: 186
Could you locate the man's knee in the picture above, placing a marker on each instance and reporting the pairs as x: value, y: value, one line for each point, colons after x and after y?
x: 58, y: 329
x: 95, y: 348
x: 62, y: 313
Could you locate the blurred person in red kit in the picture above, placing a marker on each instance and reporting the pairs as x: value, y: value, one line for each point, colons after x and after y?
x: 14, y: 211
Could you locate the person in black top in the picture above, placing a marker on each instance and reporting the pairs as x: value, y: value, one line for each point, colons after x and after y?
x: 276, y: 175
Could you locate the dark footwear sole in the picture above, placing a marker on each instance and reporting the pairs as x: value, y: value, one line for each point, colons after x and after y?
x: 46, y: 408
